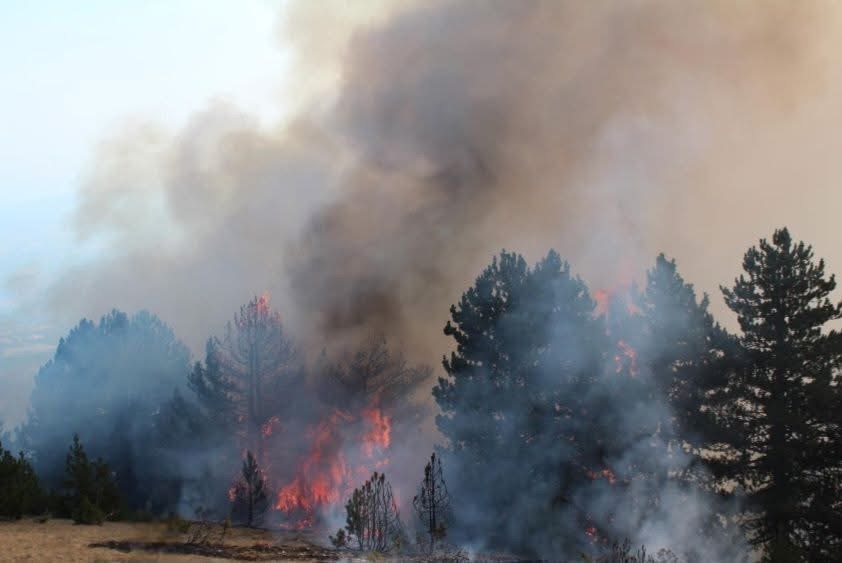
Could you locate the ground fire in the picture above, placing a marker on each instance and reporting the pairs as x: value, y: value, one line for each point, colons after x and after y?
x: 334, y: 465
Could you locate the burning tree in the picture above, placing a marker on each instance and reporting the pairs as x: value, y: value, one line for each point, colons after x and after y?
x: 371, y: 376
x: 250, y: 494
x: 372, y: 520
x: 359, y: 391
x: 433, y: 502
x: 245, y: 370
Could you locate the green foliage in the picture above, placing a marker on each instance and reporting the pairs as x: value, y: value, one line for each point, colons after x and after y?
x: 517, y: 397
x: 557, y: 411
x: 20, y: 493
x: 782, y: 407
x: 250, y: 501
x: 246, y: 371
x: 372, y: 522
x: 683, y: 348
x: 90, y: 494
x: 87, y: 513
x: 687, y: 358
x: 107, y: 381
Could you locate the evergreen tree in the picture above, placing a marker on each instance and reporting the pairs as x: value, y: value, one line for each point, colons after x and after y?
x: 20, y: 493
x: 372, y: 521
x: 214, y: 390
x: 517, y: 400
x: 246, y: 372
x: 432, y: 503
x: 108, y: 380
x: 371, y: 375
x: 249, y: 495
x: 90, y: 494
x: 687, y: 358
x: 784, y: 409
x: 238, y: 393
x: 682, y: 347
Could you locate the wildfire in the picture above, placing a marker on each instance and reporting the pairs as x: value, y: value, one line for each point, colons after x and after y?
x: 325, y: 477
x: 626, y: 356
x: 269, y: 426
x: 605, y: 473
x: 321, y: 475
x: 606, y: 297
x: 602, y: 298
x: 379, y: 436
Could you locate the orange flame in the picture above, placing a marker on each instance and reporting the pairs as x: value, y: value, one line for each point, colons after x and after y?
x: 602, y: 297
x: 325, y: 477
x: 380, y: 434
x: 626, y: 356
x: 605, y: 473
x: 320, y: 478
x: 269, y: 426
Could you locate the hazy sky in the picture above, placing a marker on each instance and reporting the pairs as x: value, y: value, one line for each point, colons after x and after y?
x: 73, y: 72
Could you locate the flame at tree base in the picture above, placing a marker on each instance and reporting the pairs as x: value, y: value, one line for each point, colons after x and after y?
x: 325, y: 477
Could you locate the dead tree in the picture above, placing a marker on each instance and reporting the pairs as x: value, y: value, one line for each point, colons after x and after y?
x: 372, y: 520
x: 433, y: 502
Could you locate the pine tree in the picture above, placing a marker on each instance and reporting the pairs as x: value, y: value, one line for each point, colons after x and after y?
x: 371, y: 374
x: 517, y: 399
x: 250, y: 493
x: 372, y: 521
x: 20, y: 493
x: 107, y: 381
x: 682, y: 347
x: 785, y: 404
x: 432, y: 503
x: 685, y: 357
x: 246, y: 372
x: 90, y: 494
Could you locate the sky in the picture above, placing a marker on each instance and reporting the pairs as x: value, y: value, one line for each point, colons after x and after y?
x: 74, y: 72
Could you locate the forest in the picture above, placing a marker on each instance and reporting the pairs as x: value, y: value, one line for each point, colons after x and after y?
x: 566, y: 422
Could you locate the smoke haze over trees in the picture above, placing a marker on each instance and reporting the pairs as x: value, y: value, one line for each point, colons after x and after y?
x: 107, y: 382
x: 568, y: 421
x: 575, y: 408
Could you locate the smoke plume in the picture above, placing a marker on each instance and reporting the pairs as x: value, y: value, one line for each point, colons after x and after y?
x: 440, y: 132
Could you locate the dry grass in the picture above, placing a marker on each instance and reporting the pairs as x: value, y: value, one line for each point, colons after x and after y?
x: 61, y: 540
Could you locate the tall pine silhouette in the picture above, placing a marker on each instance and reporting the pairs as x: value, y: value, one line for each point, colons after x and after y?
x: 515, y: 401
x: 785, y: 407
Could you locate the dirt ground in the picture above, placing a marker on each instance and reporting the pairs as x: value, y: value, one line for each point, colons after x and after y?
x: 61, y: 540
